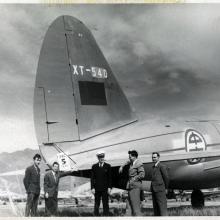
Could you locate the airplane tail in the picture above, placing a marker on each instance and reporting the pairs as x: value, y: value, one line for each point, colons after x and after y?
x: 76, y: 94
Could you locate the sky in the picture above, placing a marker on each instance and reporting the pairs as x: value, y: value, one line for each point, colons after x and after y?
x: 165, y: 57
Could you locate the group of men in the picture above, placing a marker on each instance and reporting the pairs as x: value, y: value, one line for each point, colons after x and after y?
x: 101, y: 185
x: 32, y: 186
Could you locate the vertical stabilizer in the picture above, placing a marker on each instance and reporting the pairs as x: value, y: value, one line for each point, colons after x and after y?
x: 78, y: 91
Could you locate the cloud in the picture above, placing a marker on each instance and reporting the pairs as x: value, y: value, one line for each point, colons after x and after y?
x: 17, y: 134
x: 166, y: 57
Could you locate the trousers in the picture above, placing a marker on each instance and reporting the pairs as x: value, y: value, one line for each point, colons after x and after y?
x: 31, y: 205
x: 159, y: 203
x: 104, y: 196
x: 134, y: 201
x: 51, y: 206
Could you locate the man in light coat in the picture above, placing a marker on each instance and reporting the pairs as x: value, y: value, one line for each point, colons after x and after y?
x: 136, y: 174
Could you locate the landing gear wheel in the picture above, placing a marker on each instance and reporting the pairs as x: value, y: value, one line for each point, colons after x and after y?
x: 197, y: 199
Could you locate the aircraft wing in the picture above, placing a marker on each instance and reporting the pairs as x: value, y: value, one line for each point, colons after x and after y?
x: 164, y: 157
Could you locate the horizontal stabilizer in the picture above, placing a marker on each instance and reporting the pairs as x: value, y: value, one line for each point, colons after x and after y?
x: 164, y: 157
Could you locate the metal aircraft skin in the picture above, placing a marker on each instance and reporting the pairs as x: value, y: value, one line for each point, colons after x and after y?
x: 79, y: 108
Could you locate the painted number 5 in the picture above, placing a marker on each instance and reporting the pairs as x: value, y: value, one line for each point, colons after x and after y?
x: 63, y: 161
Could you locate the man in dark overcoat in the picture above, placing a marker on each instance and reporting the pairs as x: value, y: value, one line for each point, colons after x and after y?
x: 101, y: 183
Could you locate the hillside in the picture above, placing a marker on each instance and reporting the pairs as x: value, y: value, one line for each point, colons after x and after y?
x: 19, y: 160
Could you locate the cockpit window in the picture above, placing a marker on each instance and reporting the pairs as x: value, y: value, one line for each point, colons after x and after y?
x: 92, y: 93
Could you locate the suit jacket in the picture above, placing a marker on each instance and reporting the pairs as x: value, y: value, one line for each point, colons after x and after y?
x: 101, y: 178
x: 160, y: 178
x: 136, y: 174
x: 32, y: 180
x: 51, y: 183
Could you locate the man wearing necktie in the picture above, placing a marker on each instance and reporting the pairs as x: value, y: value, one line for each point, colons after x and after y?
x: 101, y: 183
x: 159, y: 185
x: 136, y: 174
x: 32, y: 186
x: 51, y: 184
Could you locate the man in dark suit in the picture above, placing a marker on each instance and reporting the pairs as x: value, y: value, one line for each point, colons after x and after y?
x: 159, y: 185
x: 32, y: 186
x: 51, y: 184
x: 101, y: 183
x: 136, y: 174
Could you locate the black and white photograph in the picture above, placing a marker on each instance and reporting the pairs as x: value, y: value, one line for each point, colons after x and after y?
x: 109, y: 110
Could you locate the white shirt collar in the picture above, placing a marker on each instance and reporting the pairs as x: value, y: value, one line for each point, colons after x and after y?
x: 101, y: 163
x: 156, y: 164
x: 37, y: 168
x: 134, y: 162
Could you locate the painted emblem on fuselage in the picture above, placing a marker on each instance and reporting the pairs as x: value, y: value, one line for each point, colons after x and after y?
x: 194, y: 141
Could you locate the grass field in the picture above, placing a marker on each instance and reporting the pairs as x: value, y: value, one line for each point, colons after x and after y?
x: 177, y: 211
x: 188, y: 211
x: 118, y: 209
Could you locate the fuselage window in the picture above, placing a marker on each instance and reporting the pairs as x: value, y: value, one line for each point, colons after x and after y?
x: 92, y: 93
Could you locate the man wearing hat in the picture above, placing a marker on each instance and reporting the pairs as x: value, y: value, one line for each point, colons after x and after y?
x: 101, y: 183
x: 136, y: 174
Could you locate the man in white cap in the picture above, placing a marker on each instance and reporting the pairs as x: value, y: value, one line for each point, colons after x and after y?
x: 101, y: 183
